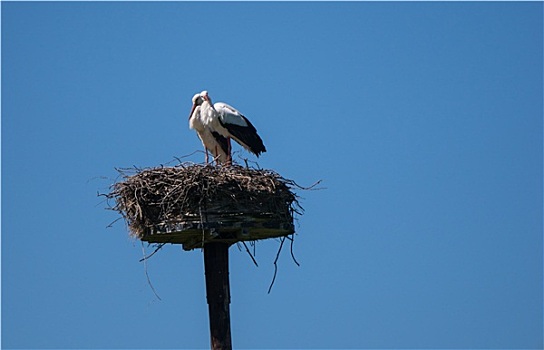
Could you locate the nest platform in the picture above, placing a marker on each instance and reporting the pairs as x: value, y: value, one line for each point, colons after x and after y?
x: 193, y: 204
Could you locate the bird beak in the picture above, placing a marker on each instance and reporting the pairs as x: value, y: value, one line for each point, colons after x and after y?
x: 192, y: 110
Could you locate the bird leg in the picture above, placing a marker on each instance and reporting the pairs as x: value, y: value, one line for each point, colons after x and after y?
x: 229, y: 155
x: 216, y: 158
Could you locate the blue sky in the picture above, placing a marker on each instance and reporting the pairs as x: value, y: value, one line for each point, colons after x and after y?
x: 424, y: 121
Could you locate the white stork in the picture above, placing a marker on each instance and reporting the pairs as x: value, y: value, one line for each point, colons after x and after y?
x: 211, y: 140
x: 230, y: 123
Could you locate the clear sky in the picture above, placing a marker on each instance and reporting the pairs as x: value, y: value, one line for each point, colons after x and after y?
x: 424, y: 121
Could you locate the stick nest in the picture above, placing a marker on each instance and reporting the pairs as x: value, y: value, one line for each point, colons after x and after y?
x: 150, y: 197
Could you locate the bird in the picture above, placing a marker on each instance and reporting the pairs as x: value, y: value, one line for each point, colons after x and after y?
x: 211, y: 140
x: 231, y: 124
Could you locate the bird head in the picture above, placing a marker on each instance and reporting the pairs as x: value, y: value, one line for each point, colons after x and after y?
x: 205, y: 96
x: 197, y: 101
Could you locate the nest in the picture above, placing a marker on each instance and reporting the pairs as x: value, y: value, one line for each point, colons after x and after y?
x: 194, y: 203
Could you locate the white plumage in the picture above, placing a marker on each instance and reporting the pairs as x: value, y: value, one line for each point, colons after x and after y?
x: 211, y: 140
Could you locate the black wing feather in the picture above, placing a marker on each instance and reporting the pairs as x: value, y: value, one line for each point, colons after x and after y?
x: 222, y: 141
x: 246, y: 135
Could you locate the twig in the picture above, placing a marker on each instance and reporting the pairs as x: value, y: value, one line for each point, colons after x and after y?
x: 150, y: 255
x: 185, y: 156
x: 113, y: 222
x: 309, y: 188
x: 247, y: 250
x: 247, y: 161
x: 146, y: 274
x: 292, y: 239
x: 282, y: 239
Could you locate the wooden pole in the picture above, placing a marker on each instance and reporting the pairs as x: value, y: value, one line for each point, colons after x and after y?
x: 216, y: 268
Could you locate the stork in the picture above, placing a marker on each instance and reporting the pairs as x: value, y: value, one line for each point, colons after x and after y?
x: 231, y: 124
x: 211, y: 140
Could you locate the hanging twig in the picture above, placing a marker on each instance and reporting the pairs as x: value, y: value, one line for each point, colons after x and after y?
x: 150, y: 255
x: 146, y: 274
x: 292, y: 239
x: 252, y: 258
x: 282, y: 239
